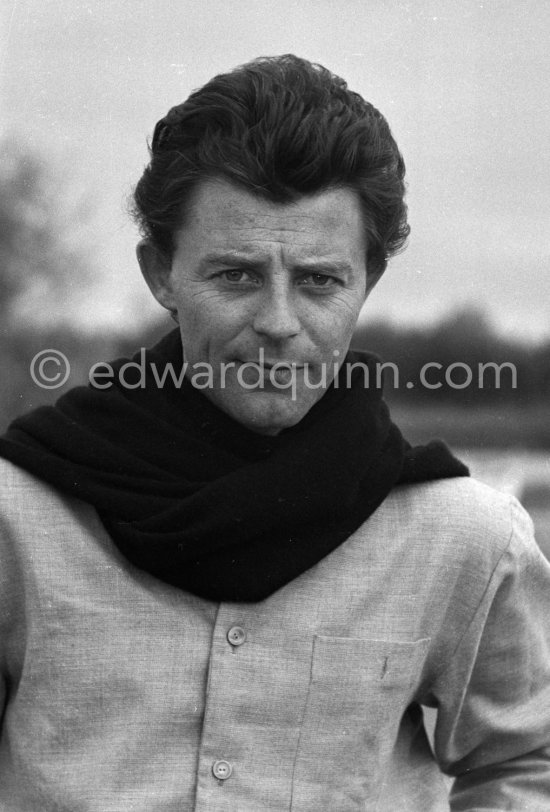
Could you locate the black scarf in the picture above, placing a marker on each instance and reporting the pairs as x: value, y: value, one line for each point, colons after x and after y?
x: 201, y: 502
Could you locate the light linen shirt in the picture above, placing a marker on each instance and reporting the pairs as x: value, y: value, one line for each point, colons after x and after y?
x: 123, y: 694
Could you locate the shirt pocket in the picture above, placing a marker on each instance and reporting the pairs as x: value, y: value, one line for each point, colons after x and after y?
x: 358, y: 692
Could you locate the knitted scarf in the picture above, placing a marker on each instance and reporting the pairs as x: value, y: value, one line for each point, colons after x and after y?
x: 201, y: 502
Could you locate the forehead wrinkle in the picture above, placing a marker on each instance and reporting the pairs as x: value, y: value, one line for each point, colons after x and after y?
x: 277, y: 228
x: 302, y: 254
x: 256, y: 233
x: 241, y: 242
x: 278, y: 220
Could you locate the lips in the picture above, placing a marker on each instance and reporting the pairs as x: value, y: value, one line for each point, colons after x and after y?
x: 269, y: 372
x: 281, y: 371
x: 282, y: 364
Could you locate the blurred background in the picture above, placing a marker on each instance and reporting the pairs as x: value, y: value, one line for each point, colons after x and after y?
x: 465, y: 89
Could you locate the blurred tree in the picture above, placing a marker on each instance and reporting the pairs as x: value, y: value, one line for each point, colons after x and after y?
x: 41, y: 256
x: 45, y: 266
x: 464, y: 337
x: 43, y: 262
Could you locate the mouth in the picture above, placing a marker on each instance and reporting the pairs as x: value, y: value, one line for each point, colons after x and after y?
x: 277, y: 371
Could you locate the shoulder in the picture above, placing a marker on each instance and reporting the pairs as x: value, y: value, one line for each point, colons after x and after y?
x: 457, y: 524
x: 19, y: 489
x: 34, y: 520
x: 460, y: 504
x: 31, y: 509
x: 44, y: 532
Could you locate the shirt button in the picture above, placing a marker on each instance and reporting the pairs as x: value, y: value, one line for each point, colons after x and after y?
x: 236, y: 635
x: 222, y: 769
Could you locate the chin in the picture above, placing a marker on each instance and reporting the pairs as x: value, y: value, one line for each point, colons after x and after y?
x: 271, y: 418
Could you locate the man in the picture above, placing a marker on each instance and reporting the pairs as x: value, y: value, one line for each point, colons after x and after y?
x: 232, y: 585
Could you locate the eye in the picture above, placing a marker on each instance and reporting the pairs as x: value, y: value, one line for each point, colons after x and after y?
x: 319, y: 280
x: 236, y: 276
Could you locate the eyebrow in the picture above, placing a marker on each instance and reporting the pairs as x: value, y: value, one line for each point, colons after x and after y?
x: 324, y: 265
x: 230, y: 258
x: 253, y: 261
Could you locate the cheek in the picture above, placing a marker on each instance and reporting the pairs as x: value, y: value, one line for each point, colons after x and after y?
x: 207, y: 333
x: 337, y: 328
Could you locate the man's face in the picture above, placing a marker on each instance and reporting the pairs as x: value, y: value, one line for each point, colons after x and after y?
x: 256, y: 281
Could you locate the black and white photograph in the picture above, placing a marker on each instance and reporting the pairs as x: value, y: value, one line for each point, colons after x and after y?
x: 274, y: 406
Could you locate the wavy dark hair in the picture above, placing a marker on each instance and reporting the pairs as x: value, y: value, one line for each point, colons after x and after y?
x: 280, y: 127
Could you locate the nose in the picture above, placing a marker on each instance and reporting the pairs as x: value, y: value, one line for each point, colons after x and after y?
x: 275, y: 316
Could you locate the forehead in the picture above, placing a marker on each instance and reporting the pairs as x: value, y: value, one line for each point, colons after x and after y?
x: 222, y: 214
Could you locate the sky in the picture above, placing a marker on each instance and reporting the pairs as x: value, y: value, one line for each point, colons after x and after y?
x: 463, y: 84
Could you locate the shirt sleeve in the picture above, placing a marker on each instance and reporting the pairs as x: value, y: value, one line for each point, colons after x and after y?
x: 493, y: 724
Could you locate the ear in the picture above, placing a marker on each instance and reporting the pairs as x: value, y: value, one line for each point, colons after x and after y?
x: 372, y: 279
x: 156, y: 268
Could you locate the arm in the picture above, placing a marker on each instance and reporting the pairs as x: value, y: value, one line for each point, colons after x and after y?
x: 493, y: 728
